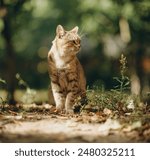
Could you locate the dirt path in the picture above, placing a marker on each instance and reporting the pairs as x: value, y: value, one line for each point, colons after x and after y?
x: 55, y: 129
x: 91, y: 127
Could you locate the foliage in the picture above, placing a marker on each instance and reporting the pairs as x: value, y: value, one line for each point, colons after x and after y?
x: 2, y: 81
x: 30, y: 94
x: 123, y: 80
x: 113, y: 100
x: 116, y: 99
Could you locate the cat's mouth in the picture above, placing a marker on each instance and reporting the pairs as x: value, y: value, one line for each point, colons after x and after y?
x: 75, y: 48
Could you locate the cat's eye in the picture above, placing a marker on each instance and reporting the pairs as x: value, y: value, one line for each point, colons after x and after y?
x: 61, y: 36
x: 74, y: 42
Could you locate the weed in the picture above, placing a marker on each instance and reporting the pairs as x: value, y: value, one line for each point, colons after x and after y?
x: 123, y: 81
x: 30, y: 94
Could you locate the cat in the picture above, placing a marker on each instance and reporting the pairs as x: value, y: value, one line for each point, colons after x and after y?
x: 68, y: 81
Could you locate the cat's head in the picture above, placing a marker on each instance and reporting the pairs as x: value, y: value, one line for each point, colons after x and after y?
x: 67, y: 42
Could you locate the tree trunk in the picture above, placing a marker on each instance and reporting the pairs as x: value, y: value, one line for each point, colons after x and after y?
x: 10, y: 56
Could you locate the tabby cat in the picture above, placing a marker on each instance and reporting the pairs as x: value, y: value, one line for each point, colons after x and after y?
x: 67, y: 76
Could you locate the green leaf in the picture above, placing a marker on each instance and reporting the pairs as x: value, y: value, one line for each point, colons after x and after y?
x: 127, y: 83
x: 117, y: 79
x: 2, y: 81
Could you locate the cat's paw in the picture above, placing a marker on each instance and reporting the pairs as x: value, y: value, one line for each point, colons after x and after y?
x: 69, y: 111
x: 59, y: 109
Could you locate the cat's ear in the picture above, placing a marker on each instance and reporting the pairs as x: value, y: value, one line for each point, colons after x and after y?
x: 75, y: 29
x: 60, y: 31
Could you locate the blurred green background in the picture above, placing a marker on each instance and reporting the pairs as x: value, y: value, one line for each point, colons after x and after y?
x: 108, y: 29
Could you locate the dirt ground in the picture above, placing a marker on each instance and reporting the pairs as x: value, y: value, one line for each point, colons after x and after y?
x: 41, y: 124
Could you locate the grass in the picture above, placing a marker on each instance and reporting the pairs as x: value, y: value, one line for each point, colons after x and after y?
x: 113, y: 100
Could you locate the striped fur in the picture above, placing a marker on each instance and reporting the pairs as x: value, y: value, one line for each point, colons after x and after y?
x: 66, y: 73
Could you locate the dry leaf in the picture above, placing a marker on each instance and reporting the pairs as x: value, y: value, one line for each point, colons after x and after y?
x: 109, y: 124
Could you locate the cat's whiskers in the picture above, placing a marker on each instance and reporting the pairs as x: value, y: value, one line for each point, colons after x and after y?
x: 82, y: 33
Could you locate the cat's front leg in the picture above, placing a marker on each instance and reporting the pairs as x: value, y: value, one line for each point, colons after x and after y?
x: 70, y: 100
x: 59, y: 100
